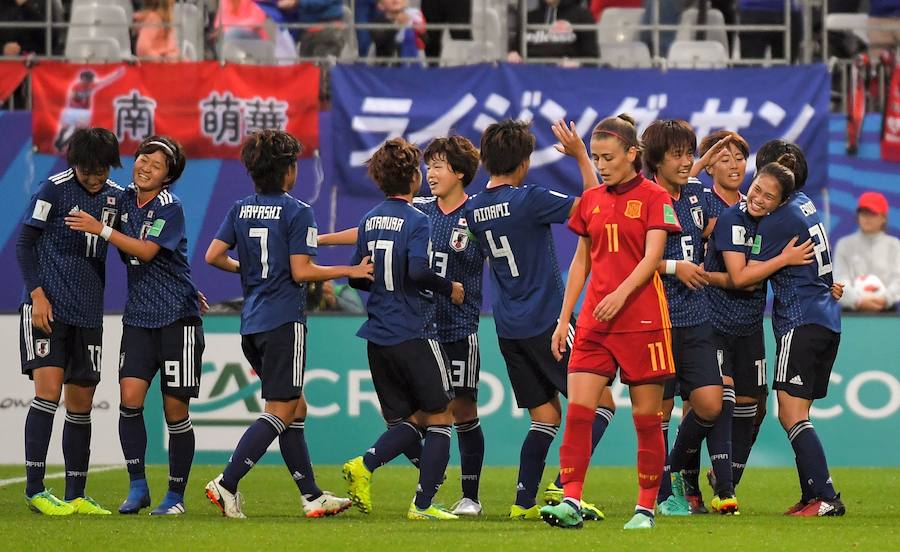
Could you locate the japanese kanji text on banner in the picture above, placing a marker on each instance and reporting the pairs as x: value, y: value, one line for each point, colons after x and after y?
x: 207, y: 107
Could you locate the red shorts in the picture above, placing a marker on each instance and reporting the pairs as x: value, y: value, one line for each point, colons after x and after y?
x: 644, y: 357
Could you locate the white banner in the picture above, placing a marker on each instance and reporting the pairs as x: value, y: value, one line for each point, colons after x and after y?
x: 16, y: 392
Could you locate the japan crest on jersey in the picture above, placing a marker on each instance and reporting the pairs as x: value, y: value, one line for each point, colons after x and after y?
x: 42, y: 347
x: 459, y: 239
x: 697, y: 215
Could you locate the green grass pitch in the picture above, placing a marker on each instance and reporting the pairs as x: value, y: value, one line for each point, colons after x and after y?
x: 275, y: 523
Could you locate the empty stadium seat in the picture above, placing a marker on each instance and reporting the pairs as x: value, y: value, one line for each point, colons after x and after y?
x: 101, y: 48
x: 124, y: 4
x: 625, y: 55
x: 697, y: 54
x: 189, y: 29
x: 852, y: 22
x: 687, y: 31
x: 100, y: 21
x: 248, y: 51
x: 619, y: 25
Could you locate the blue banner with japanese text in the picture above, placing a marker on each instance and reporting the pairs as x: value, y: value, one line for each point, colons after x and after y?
x: 372, y: 104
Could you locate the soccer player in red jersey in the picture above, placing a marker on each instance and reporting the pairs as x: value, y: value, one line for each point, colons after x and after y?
x: 623, y: 226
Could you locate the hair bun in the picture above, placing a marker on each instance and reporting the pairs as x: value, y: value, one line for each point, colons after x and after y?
x: 627, y: 118
x: 788, y: 161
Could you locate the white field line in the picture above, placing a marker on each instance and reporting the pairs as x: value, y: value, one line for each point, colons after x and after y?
x: 57, y: 475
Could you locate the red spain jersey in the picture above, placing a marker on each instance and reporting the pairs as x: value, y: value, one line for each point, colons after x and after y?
x: 617, y: 219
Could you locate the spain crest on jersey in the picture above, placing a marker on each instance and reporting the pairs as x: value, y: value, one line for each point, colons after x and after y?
x: 459, y: 239
x: 42, y: 347
x: 633, y: 209
x: 697, y: 215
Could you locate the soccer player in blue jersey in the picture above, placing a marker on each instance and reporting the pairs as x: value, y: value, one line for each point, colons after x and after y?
x: 736, y: 315
x: 62, y: 314
x: 806, y: 318
x: 669, y: 147
x: 162, y: 331
x: 409, y: 372
x: 452, y: 163
x: 511, y: 222
x: 275, y: 236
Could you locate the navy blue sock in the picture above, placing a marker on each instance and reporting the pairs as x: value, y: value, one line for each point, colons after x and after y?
x: 133, y: 438
x: 435, y: 455
x: 665, y: 482
x: 38, y: 427
x: 391, y: 444
x: 250, y: 449
x: 413, y: 452
x: 806, y: 494
x: 296, y: 458
x: 76, y: 446
x: 741, y: 437
x: 691, y: 433
x: 602, y: 420
x: 532, y: 460
x: 718, y: 443
x: 181, y: 454
x: 471, y: 456
x: 811, y: 459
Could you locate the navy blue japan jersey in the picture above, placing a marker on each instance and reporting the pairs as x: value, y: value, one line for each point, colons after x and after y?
x: 392, y: 233
x: 512, y: 226
x: 72, y: 265
x: 715, y: 203
x: 733, y: 312
x: 161, y: 291
x: 267, y: 229
x: 687, y: 307
x: 455, y: 256
x: 802, y: 293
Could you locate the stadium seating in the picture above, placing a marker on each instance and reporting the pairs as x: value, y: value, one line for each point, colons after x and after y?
x: 189, y: 28
x: 625, y: 55
x: 618, y: 25
x: 686, y: 30
x: 697, y: 54
x: 126, y: 5
x: 248, y: 51
x: 101, y: 48
x: 488, y: 39
x: 852, y: 22
x: 97, y: 21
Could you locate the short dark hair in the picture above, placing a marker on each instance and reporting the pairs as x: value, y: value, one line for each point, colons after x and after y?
x: 93, y: 149
x: 622, y: 127
x: 505, y: 146
x: 394, y: 165
x: 171, y: 149
x: 665, y: 135
x: 782, y: 170
x: 459, y: 153
x: 773, y: 149
x: 268, y: 155
x: 712, y: 139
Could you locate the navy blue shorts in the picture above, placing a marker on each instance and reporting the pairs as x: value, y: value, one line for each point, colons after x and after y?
x: 536, y: 377
x: 743, y: 358
x: 806, y: 356
x: 279, y: 359
x: 696, y: 364
x: 176, y: 351
x: 464, y: 365
x: 78, y: 351
x: 409, y: 377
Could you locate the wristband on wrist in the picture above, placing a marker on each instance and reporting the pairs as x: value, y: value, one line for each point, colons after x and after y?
x: 670, y: 266
x: 106, y: 232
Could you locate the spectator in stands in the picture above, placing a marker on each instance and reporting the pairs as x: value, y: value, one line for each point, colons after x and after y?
x: 21, y: 41
x: 156, y: 38
x: 869, y: 252
x: 445, y: 11
x: 406, y: 42
x: 328, y: 296
x: 881, y: 13
x: 558, y: 40
x: 327, y: 37
x: 768, y: 12
x: 282, y: 12
x: 597, y: 6
x: 241, y: 19
x: 364, y: 11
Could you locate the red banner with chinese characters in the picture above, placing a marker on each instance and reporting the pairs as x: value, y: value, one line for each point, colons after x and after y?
x: 207, y: 107
x: 890, y: 138
x: 12, y: 73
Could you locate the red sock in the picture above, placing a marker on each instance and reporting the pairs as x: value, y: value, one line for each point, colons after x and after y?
x: 651, y: 456
x: 575, y: 452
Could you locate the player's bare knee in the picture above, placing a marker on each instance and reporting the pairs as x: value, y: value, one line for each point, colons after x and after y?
x: 79, y: 398
x: 444, y: 417
x: 283, y: 409
x: 300, y: 409
x: 547, y: 413
x: 175, y: 408
x: 464, y: 409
